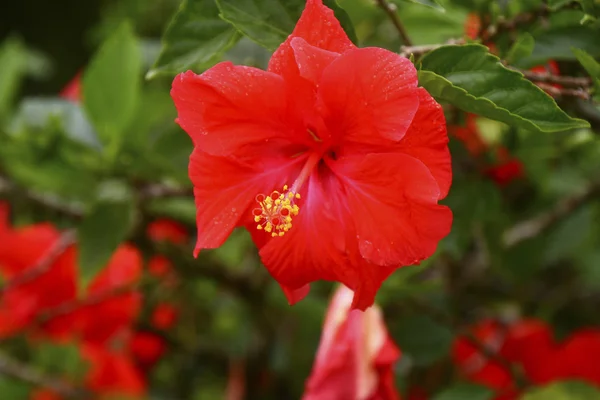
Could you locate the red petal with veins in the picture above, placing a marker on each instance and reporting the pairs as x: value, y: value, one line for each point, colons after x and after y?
x: 225, y: 188
x: 230, y: 106
x: 369, y: 96
x: 427, y: 141
x: 393, y: 201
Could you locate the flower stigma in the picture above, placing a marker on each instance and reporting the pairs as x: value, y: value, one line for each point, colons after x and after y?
x: 276, y: 211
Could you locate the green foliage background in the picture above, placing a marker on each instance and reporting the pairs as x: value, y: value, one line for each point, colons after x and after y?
x: 110, y: 165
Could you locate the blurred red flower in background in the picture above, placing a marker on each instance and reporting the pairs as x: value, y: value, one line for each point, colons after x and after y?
x: 40, y: 273
x: 362, y: 148
x: 355, y: 357
x: 164, y: 316
x: 36, y: 279
x: 504, y: 168
x: 167, y: 230
x: 147, y: 348
x: 531, y: 346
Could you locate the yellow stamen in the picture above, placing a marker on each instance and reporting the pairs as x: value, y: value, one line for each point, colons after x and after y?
x: 275, y: 212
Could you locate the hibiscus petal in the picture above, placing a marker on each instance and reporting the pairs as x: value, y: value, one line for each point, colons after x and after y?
x: 369, y: 95
x: 225, y: 188
x: 393, y: 200
x: 318, y: 27
x: 295, y: 295
x: 311, y: 60
x: 231, y: 106
x: 369, y: 280
x: 300, y: 256
x: 427, y: 141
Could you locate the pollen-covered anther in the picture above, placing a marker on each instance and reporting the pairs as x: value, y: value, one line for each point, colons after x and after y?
x: 275, y: 211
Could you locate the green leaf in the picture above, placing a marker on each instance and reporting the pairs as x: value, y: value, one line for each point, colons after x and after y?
x: 182, y: 209
x: 426, y: 27
x: 423, y: 339
x: 14, y: 389
x: 589, y: 63
x: 475, y: 81
x: 563, y: 391
x: 429, y: 3
x: 195, y: 38
x: 522, y: 48
x: 104, y: 228
x: 13, y: 60
x: 591, y: 66
x: 556, y: 44
x: 557, y: 4
x: 36, y: 112
x: 590, y: 7
x: 60, y: 360
x: 462, y: 391
x: 269, y: 22
x: 111, y: 86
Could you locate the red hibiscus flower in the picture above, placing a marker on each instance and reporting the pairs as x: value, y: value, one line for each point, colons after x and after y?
x: 333, y: 159
x: 164, y: 316
x: 36, y: 280
x: 111, y: 373
x: 506, y: 169
x: 168, y: 231
x: 355, y: 357
x: 160, y: 266
x: 146, y: 348
x: 114, y: 313
x: 530, y: 345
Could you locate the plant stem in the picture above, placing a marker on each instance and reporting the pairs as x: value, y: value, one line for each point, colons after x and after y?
x: 390, y: 10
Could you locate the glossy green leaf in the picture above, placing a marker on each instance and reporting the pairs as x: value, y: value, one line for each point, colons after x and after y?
x: 464, y: 391
x: 522, y: 48
x: 111, y: 86
x: 475, y: 81
x: 563, y: 391
x: 104, y: 228
x: 195, y: 38
x: 269, y: 22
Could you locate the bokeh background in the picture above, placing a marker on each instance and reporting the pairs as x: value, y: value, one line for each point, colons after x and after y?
x: 525, y: 241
